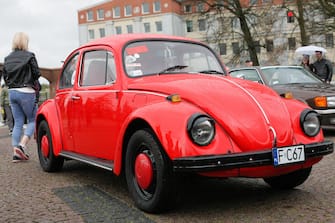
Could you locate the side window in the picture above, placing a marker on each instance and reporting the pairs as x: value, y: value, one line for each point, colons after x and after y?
x: 98, y: 68
x: 251, y: 75
x: 68, y: 74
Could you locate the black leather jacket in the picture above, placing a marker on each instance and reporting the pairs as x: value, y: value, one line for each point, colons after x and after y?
x: 21, y: 69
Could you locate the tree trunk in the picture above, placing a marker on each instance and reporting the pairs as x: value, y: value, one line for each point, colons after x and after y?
x: 301, y: 22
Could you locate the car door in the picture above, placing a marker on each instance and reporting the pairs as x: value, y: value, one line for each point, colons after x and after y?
x: 95, y: 104
x: 64, y: 102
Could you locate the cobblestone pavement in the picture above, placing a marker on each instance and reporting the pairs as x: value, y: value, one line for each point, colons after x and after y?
x: 81, y: 193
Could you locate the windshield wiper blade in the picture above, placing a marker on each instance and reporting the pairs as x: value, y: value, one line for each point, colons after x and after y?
x: 173, y: 68
x: 210, y: 72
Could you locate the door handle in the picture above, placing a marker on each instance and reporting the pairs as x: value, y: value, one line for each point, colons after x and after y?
x: 73, y: 97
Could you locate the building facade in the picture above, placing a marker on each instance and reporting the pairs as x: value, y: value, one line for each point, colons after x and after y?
x: 127, y: 16
x: 275, y: 29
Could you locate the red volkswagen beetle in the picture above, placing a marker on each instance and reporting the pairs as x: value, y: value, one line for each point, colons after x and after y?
x: 154, y: 107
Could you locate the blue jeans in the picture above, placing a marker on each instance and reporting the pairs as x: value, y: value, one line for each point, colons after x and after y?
x: 23, y: 106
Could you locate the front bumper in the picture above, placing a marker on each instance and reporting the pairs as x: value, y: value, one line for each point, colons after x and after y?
x: 327, y: 120
x: 240, y: 160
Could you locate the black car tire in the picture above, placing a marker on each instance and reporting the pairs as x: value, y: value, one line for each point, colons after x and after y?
x: 161, y: 193
x: 290, y: 180
x: 49, y: 162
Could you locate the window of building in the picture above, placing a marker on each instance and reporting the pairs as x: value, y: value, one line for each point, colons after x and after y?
x: 91, y: 34
x: 89, y: 15
x: 116, y: 12
x: 157, y: 6
x: 187, y: 8
x: 290, y: 16
x: 118, y: 29
x: 291, y: 43
x: 236, y: 48
x: 146, y: 27
x: 127, y: 10
x: 223, y: 48
x: 145, y: 8
x: 269, y: 45
x: 159, y: 27
x: 329, y: 40
x: 202, y: 24
x: 235, y: 23
x: 200, y: 7
x: 129, y: 28
x: 102, y: 32
x: 189, y: 26
x: 100, y: 14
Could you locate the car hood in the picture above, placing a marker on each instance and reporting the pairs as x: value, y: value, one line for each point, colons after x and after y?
x: 307, y: 90
x: 247, y: 111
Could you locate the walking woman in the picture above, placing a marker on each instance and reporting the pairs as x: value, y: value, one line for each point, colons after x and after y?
x: 21, y: 73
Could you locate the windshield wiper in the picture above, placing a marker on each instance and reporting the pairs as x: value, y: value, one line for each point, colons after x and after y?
x: 210, y: 72
x: 173, y: 68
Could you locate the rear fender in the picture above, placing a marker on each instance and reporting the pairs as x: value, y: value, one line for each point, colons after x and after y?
x: 48, y: 112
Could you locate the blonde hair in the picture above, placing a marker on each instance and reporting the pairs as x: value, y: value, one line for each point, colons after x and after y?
x: 20, y: 41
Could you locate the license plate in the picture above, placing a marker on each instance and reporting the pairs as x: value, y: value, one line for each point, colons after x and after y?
x: 287, y: 155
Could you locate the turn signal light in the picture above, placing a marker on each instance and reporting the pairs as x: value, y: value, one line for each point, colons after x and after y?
x: 288, y: 95
x: 320, y: 102
x: 174, y: 98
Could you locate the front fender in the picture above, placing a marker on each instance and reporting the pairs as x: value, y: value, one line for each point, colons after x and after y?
x: 301, y: 138
x: 48, y: 112
x: 169, y: 122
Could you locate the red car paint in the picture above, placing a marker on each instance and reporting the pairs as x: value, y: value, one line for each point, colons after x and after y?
x: 103, y: 124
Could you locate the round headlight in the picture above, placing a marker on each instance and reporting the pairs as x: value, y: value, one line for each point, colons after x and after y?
x: 310, y: 122
x: 201, y: 129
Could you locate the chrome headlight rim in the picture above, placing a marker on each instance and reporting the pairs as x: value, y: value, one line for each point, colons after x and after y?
x: 201, y: 129
x: 310, y: 122
x: 330, y: 101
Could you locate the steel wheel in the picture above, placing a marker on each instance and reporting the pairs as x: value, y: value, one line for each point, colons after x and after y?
x: 148, y: 173
x: 48, y: 161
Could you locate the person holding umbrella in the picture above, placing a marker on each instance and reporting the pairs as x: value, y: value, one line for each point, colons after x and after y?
x: 322, y: 67
x: 305, y: 62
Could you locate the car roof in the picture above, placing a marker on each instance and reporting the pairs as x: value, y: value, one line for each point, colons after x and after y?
x: 266, y: 67
x: 122, y: 39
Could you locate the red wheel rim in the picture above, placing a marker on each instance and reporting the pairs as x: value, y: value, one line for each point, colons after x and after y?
x: 45, y: 146
x: 143, y: 171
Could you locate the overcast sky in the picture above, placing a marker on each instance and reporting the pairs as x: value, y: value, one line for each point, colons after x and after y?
x: 52, y: 27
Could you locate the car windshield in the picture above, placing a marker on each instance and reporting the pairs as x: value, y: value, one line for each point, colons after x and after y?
x: 161, y: 57
x: 288, y: 75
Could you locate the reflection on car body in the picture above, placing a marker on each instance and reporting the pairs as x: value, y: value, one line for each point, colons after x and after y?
x: 156, y: 107
x: 304, y: 86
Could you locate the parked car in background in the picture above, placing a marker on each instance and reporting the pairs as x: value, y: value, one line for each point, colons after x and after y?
x: 156, y: 107
x: 304, y: 86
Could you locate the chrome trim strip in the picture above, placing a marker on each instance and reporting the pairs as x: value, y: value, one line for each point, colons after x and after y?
x: 91, y: 161
x: 274, y: 144
x: 325, y: 112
